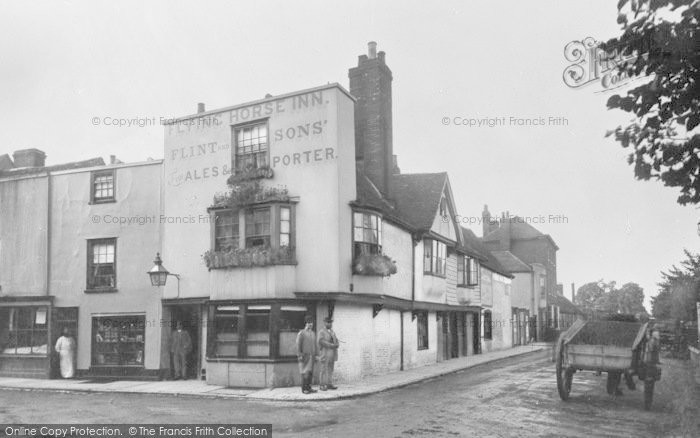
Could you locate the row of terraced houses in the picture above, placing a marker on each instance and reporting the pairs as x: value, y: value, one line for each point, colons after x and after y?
x: 263, y: 213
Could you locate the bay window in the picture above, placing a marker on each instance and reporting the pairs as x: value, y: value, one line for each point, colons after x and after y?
x: 367, y: 234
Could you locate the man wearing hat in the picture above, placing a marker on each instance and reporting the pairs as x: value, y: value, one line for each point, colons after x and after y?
x: 328, y: 353
x: 306, y: 353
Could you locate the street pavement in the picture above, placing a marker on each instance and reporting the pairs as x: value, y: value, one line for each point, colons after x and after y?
x: 513, y: 397
x: 368, y: 385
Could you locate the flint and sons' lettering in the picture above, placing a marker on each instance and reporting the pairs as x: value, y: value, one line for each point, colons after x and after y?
x: 300, y: 131
x: 197, y: 151
x: 178, y: 178
x: 304, y: 157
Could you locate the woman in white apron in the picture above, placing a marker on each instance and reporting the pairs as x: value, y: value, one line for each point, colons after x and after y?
x: 65, y: 347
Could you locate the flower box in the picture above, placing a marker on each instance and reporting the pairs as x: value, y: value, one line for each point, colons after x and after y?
x: 374, y: 264
x: 249, y: 257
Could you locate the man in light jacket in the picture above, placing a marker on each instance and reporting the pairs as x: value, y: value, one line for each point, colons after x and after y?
x: 328, y: 354
x: 306, y: 353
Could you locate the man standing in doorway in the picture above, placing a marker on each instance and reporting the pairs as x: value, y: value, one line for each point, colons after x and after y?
x: 180, y: 347
x: 306, y: 353
x: 328, y: 354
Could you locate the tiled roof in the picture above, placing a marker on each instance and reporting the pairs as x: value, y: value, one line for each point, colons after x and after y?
x: 511, y: 262
x: 473, y: 246
x: 414, y: 198
x: 565, y: 306
x: 519, y: 229
x: 417, y: 197
x: 55, y: 168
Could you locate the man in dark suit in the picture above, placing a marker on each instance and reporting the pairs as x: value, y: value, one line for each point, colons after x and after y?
x: 328, y: 353
x: 180, y: 347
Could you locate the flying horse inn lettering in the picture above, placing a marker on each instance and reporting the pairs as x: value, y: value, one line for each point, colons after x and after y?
x: 279, y: 136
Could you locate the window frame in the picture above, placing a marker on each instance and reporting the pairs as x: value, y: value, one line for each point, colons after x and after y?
x: 432, y: 263
x: 117, y: 323
x: 235, y: 228
x: 89, y: 285
x: 365, y: 247
x: 93, y: 192
x: 471, y: 271
x: 33, y: 332
x: 423, y: 331
x: 236, y: 156
x: 267, y: 237
x: 275, y: 328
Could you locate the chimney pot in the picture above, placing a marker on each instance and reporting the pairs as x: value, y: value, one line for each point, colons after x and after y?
x: 112, y: 159
x: 372, y: 52
x: 200, y: 107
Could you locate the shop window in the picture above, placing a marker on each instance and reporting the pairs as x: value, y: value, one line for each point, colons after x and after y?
x: 257, y: 227
x: 257, y: 331
x: 228, y: 336
x: 291, y: 321
x: 118, y: 340
x: 102, y: 264
x: 24, y: 330
x: 488, y: 325
x: 422, y: 324
x: 102, y: 187
x: 435, y: 257
x: 367, y: 234
x: 250, y: 330
x: 225, y: 230
x: 251, y: 147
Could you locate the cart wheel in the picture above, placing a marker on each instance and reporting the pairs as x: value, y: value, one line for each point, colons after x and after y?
x: 564, y: 375
x: 648, y: 392
x: 613, y: 381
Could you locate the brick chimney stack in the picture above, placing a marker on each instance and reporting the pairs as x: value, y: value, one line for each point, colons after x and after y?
x: 370, y: 84
x: 29, y: 158
x: 485, y: 221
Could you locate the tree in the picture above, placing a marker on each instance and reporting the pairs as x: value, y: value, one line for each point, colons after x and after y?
x: 601, y: 297
x: 589, y: 296
x: 660, y: 38
x: 679, y: 290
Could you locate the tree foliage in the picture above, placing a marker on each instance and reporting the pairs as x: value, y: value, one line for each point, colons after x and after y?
x: 601, y: 298
x: 679, y: 291
x: 660, y: 42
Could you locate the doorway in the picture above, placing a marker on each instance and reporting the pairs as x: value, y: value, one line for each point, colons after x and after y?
x: 476, y: 333
x: 190, y: 316
x: 454, y: 336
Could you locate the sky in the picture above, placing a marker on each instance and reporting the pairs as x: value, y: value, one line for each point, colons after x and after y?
x: 69, y: 68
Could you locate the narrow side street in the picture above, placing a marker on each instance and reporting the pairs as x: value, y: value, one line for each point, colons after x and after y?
x: 508, y: 398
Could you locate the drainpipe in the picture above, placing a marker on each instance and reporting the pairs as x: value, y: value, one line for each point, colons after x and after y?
x: 401, y: 312
x: 49, y: 313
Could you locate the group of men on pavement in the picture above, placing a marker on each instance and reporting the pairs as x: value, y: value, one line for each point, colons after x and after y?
x: 324, y: 350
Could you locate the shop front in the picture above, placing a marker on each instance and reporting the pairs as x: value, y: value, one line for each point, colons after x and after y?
x: 25, y: 335
x: 253, y: 343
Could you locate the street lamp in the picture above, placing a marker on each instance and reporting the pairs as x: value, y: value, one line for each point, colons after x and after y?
x: 159, y: 274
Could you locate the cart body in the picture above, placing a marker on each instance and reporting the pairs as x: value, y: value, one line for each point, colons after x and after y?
x: 616, y: 347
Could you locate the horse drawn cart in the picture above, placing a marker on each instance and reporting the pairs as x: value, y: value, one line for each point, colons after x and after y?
x: 618, y: 348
